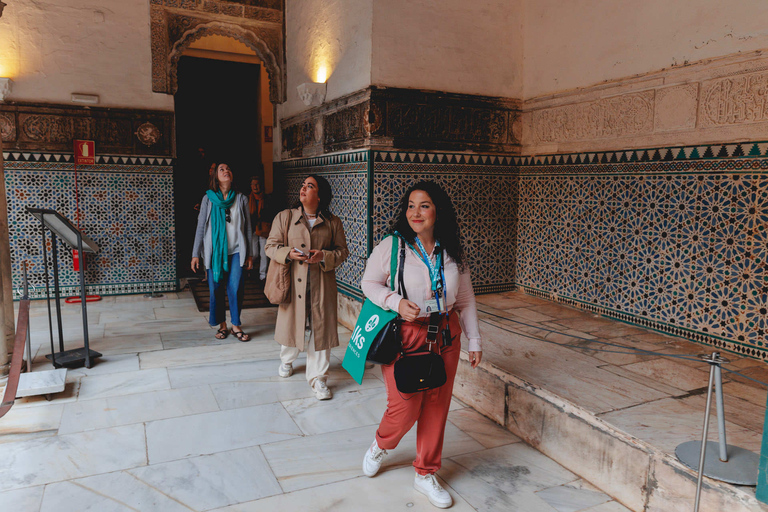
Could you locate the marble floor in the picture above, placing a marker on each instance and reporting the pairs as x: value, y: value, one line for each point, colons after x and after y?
x: 171, y: 419
x: 591, y: 361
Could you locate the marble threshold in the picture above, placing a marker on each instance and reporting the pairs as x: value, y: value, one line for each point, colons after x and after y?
x: 610, y: 401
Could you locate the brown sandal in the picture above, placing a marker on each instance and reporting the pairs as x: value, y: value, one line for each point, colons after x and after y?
x: 241, y: 335
x: 222, y: 334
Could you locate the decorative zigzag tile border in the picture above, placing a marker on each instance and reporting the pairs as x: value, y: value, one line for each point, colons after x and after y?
x: 665, y: 154
x: 68, y: 158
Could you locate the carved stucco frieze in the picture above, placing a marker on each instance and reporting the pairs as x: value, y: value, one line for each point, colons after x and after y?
x: 734, y: 100
x: 45, y: 128
x: 173, y: 32
x: 620, y: 116
x: 7, y: 127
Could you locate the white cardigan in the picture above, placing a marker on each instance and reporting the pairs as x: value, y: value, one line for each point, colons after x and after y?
x: 375, y: 285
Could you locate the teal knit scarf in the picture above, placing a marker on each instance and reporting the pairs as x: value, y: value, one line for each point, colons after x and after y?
x: 220, y: 249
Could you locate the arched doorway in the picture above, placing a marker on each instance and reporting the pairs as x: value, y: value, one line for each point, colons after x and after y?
x: 223, y: 113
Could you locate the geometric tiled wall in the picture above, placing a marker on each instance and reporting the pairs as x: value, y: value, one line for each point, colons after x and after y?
x: 483, y: 190
x: 127, y: 209
x: 348, y: 175
x: 674, y: 239
x: 368, y: 185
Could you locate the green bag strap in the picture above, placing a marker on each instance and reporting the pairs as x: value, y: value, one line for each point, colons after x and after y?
x: 393, y: 261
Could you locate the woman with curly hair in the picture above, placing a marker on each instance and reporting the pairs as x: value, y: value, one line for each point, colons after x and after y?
x: 437, y: 282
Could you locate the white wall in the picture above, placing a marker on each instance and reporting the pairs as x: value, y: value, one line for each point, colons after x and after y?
x: 577, y: 43
x: 54, y: 48
x: 449, y: 45
x: 335, y: 34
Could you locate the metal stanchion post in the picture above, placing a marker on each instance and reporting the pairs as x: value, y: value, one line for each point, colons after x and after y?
x: 720, y: 411
x: 25, y: 297
x: 735, y: 465
x: 702, y: 455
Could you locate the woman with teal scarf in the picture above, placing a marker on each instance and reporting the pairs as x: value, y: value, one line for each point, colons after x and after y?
x: 223, y: 241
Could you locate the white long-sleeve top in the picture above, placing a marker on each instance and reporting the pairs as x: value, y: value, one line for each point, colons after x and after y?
x: 418, y: 285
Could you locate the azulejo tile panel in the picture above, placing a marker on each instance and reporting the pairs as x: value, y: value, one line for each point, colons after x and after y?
x: 348, y: 175
x: 679, y: 245
x: 127, y: 209
x: 484, y: 192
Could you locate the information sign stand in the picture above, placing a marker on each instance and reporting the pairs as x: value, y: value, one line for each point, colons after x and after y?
x: 60, y: 227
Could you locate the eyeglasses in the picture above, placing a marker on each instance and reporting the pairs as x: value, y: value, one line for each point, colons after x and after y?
x: 227, y: 216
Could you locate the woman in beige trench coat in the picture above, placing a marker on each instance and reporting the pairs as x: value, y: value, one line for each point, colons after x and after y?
x: 316, y: 246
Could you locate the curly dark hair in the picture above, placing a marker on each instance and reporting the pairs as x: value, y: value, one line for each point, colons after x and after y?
x: 324, y: 194
x: 447, y: 230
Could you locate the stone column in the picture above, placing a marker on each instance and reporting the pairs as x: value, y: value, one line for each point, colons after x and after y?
x: 6, y: 288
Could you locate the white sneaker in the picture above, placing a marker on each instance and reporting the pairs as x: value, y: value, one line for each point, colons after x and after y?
x: 285, y: 370
x: 428, y: 486
x: 373, y: 459
x: 321, y: 390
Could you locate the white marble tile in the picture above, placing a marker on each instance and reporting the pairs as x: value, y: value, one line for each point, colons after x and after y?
x: 129, y: 344
x: 123, y: 328
x: 125, y: 383
x: 120, y: 315
x: 44, y: 382
x: 111, y: 492
x: 611, y: 506
x: 484, y: 431
x: 233, y: 395
x: 22, y: 423
x: 672, y: 373
x: 387, y: 492
x: 52, y: 459
x: 110, y: 364
x: 505, y: 478
x: 226, y: 372
x: 212, y: 481
x: 212, y: 432
x: 345, y: 410
x: 572, y: 498
x: 317, y: 460
x: 136, y: 408
x: 22, y: 500
x: 667, y: 423
x: 163, y: 313
x: 205, y: 355
x: 69, y: 394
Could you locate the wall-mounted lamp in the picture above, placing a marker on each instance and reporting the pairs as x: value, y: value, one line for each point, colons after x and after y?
x: 5, y: 87
x: 85, y: 99
x: 312, y: 94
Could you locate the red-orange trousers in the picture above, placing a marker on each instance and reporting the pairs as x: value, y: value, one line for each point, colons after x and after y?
x: 429, y: 408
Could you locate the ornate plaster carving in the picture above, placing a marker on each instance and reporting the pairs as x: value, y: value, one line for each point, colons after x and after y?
x: 172, y: 33
x: 734, y: 100
x: 7, y: 127
x: 620, y: 116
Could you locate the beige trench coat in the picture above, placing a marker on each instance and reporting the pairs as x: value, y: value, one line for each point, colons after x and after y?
x: 328, y: 235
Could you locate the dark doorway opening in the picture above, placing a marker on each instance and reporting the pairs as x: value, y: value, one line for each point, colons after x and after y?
x: 217, y: 112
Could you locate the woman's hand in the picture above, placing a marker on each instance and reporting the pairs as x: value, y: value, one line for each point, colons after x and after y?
x: 195, y: 264
x: 296, y: 255
x: 475, y: 358
x: 408, y: 310
x: 248, y: 263
x: 315, y: 256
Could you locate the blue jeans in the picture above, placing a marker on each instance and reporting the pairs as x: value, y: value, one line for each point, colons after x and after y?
x: 234, y: 280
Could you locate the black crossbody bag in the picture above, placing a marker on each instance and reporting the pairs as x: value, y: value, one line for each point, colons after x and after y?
x: 387, y: 345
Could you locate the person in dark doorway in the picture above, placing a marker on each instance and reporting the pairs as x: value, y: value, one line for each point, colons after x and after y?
x: 261, y: 221
x: 436, y: 278
x: 316, y: 247
x: 223, y: 241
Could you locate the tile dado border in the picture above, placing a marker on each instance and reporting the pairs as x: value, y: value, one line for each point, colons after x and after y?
x: 387, y: 118
x: 64, y: 158
x: 710, y: 100
x: 38, y: 128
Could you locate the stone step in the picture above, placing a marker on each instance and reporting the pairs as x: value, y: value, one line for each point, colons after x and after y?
x: 641, y: 476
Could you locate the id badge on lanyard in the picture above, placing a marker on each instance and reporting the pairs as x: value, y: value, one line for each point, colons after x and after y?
x: 433, y: 305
